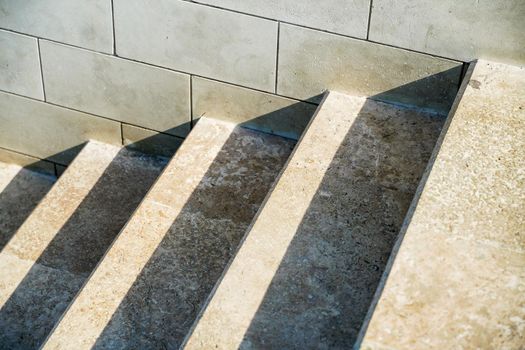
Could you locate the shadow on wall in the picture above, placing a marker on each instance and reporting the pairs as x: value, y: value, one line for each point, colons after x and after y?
x: 319, y: 295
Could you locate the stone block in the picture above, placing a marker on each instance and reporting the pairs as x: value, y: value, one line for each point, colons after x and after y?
x: 311, y: 62
x: 20, y: 65
x: 81, y: 23
x: 118, y: 89
x: 198, y: 39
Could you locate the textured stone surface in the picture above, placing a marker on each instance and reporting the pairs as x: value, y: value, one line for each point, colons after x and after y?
x: 47, y: 131
x: 150, y: 142
x: 51, y: 255
x: 349, y: 17
x: 198, y: 39
x: 20, y: 65
x: 307, y: 271
x: 20, y: 192
x: 469, y: 221
x: 149, y: 288
x: 118, y: 89
x: 463, y: 30
x: 76, y: 22
x: 255, y: 110
x: 311, y: 62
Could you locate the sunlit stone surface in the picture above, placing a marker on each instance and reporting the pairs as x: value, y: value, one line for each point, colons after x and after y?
x: 306, y: 274
x: 458, y: 280
x: 151, y: 284
x: 49, y: 257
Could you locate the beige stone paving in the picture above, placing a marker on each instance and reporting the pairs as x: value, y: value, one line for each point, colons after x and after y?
x: 150, y: 285
x: 49, y: 257
x: 458, y: 280
x: 308, y: 268
x: 20, y: 192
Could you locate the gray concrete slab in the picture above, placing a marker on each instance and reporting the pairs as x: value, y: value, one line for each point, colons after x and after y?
x: 253, y: 109
x: 50, y: 132
x: 348, y: 17
x: 462, y: 30
x: 198, y: 39
x: 20, y: 65
x: 117, y: 89
x: 76, y: 22
x: 311, y: 62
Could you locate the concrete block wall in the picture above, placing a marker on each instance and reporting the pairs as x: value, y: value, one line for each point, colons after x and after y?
x: 122, y: 71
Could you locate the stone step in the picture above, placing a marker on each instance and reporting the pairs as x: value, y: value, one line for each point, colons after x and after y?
x: 149, y: 287
x: 309, y: 266
x: 20, y: 192
x: 46, y: 261
x: 458, y: 278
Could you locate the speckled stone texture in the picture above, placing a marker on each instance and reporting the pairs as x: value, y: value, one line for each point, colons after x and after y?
x: 307, y: 271
x: 151, y: 284
x: 458, y: 279
x: 20, y: 192
x: 48, y: 259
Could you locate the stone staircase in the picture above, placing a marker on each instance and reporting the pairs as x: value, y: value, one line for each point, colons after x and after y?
x: 253, y: 241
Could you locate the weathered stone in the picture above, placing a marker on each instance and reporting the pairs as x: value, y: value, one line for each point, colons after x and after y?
x: 51, y: 255
x: 20, y: 192
x: 308, y: 269
x: 151, y: 284
x: 458, y: 279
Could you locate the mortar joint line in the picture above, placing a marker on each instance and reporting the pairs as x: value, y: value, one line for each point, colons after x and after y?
x: 277, y: 56
x: 41, y: 69
x: 369, y: 19
x: 113, y: 28
x: 122, y: 133
x: 191, y: 102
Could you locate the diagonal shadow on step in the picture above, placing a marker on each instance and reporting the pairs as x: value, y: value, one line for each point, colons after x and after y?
x: 20, y: 196
x: 164, y: 301
x: 161, y: 305
x: 386, y: 154
x: 43, y: 295
x: 27, y: 188
x: 325, y: 284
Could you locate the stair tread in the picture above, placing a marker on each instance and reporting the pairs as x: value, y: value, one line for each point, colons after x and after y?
x: 458, y: 280
x: 149, y: 287
x: 308, y: 268
x: 20, y: 191
x: 53, y: 252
